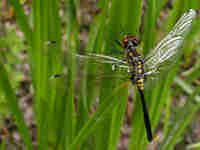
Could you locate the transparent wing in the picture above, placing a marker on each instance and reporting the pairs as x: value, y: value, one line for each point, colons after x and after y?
x: 123, y: 76
x: 165, y: 51
x: 102, y: 59
x: 99, y: 76
x: 119, y: 68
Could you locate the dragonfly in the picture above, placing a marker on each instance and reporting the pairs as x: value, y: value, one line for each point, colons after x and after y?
x: 140, y: 68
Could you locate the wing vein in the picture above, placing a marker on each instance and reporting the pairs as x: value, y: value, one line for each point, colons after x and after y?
x: 167, y: 49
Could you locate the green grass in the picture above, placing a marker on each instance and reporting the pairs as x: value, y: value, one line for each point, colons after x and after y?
x: 63, y: 115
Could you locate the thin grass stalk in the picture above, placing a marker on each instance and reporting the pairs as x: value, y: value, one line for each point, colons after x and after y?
x: 95, y: 45
x: 12, y: 101
x: 174, y: 14
x: 167, y: 114
x: 148, y: 36
x: 40, y: 67
x: 22, y: 19
x: 89, y: 86
x: 159, y: 6
x: 105, y: 133
x: 133, y: 12
x: 183, y: 118
x: 72, y: 36
x: 97, y: 118
x: 54, y: 60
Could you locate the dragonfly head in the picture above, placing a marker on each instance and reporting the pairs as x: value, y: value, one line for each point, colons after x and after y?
x: 130, y: 41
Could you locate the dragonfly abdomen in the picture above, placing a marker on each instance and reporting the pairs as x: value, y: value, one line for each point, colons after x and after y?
x: 139, y: 69
x: 136, y: 64
x: 140, y: 84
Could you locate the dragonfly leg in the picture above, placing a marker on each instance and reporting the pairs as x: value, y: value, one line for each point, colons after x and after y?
x: 118, y: 43
x: 116, y: 50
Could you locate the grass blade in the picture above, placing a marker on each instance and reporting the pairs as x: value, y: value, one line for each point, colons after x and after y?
x: 11, y: 98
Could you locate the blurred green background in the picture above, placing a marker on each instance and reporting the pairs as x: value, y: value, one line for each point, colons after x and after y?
x: 81, y: 109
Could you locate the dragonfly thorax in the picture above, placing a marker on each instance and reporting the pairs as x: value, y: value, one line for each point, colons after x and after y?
x: 134, y: 60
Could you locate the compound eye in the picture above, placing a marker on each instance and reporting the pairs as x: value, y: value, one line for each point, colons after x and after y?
x: 125, y: 42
